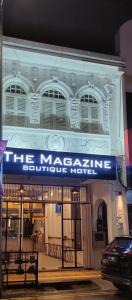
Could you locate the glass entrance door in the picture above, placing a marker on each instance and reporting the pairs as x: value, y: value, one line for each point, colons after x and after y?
x: 72, y: 249
x: 46, y: 219
x: 72, y: 253
x: 53, y: 236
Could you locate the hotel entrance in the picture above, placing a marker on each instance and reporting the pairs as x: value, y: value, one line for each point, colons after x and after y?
x: 47, y: 220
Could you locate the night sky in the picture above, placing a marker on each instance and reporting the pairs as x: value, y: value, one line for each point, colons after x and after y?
x: 82, y: 24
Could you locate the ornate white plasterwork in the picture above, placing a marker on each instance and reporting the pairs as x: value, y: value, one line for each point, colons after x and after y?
x: 34, y: 108
x: 59, y: 85
x: 54, y: 140
x: 74, y: 112
x: 20, y: 80
x: 108, y: 90
x: 34, y: 74
x: 106, y: 106
x: 96, y: 145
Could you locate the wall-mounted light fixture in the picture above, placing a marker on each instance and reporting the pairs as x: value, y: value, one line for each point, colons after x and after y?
x: 75, y: 191
x: 119, y: 193
x: 21, y: 190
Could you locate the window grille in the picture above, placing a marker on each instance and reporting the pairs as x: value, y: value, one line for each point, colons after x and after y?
x: 88, y: 98
x: 53, y: 94
x: 15, y: 89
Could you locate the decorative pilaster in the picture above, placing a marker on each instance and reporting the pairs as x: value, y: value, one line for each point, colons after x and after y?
x: 106, y: 107
x: 74, y: 108
x: 34, y: 108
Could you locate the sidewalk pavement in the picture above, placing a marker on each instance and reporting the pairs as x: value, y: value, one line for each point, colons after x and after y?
x: 87, y: 281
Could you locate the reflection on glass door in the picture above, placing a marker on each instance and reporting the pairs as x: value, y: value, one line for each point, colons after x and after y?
x: 53, y: 236
x: 10, y: 226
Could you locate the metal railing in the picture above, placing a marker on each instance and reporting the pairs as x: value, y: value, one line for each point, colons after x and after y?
x: 55, y: 250
x: 20, y: 268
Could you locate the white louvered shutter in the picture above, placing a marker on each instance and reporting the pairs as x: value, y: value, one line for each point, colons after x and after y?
x: 47, y: 108
x: 15, y: 105
x: 84, y: 111
x: 21, y: 106
x: 94, y: 113
x: 9, y: 104
x: 20, y: 110
x: 90, y: 114
x: 61, y: 115
x: 9, y: 109
x: 95, y: 126
x: 84, y: 117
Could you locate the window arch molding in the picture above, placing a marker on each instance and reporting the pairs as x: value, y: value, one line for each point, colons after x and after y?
x: 95, y: 92
x: 59, y: 85
x: 21, y: 81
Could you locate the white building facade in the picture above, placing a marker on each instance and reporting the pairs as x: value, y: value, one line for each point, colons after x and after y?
x: 69, y: 101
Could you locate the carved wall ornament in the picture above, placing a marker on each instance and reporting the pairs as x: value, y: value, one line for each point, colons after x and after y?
x: 105, y: 109
x: 108, y: 90
x: 54, y: 75
x: 73, y: 79
x: 90, y: 84
x: 74, y: 113
x: 34, y: 108
x: 55, y: 78
x: 55, y: 142
x: 15, y: 69
x: 34, y: 74
x: 96, y: 146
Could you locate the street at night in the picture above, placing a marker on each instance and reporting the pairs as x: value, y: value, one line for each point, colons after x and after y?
x: 97, y: 289
x: 87, y: 296
x: 65, y: 149
x: 78, y: 295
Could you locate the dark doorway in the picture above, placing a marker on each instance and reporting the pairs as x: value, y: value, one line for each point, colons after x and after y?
x: 102, y: 224
x: 130, y: 218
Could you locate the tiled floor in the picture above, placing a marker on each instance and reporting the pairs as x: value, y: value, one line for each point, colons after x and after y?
x: 50, y: 263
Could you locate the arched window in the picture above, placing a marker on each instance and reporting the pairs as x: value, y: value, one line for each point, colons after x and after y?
x: 89, y: 114
x: 15, y: 103
x: 54, y: 110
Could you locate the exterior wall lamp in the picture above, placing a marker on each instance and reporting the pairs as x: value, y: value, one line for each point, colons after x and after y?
x: 119, y: 193
x: 74, y: 191
x: 21, y: 190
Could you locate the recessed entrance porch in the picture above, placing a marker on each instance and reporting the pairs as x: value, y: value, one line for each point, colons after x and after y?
x: 46, y: 219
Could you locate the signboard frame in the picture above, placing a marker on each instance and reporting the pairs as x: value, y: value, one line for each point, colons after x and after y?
x: 51, y: 163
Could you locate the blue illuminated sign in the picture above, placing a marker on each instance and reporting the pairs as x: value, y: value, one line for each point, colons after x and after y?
x: 36, y: 162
